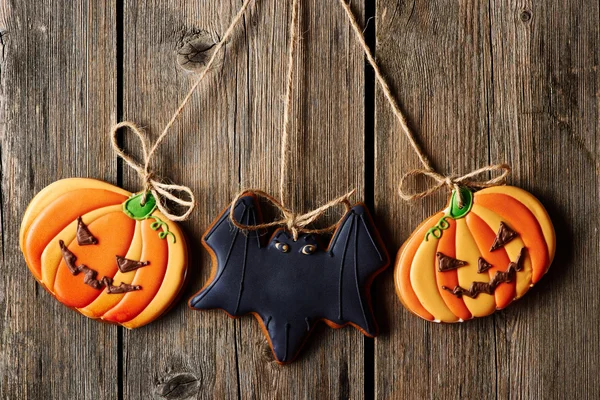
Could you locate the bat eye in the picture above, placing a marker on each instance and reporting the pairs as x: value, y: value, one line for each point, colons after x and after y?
x: 283, y: 247
x: 309, y: 249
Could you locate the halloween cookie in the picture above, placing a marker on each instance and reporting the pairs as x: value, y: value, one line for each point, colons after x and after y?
x: 289, y: 286
x: 99, y: 250
x: 476, y: 257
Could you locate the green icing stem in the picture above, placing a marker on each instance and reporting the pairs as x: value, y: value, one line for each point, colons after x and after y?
x: 160, y: 224
x: 134, y: 209
x: 455, y: 211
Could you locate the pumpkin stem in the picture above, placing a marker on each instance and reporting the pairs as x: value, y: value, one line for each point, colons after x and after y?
x: 134, y: 208
x: 461, y: 203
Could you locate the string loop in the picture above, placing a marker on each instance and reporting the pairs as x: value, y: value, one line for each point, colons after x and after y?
x: 295, y: 223
x: 158, y: 189
x: 453, y: 182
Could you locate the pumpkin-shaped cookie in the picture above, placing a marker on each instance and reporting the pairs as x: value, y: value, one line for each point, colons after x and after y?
x: 99, y: 250
x: 476, y: 256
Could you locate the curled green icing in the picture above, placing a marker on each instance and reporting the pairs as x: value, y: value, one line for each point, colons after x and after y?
x: 455, y: 211
x: 436, y: 231
x: 134, y: 208
x: 160, y: 224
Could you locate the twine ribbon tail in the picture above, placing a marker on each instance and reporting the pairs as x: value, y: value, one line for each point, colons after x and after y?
x: 162, y: 190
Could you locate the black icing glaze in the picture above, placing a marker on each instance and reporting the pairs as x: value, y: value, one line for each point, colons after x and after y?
x: 287, y: 289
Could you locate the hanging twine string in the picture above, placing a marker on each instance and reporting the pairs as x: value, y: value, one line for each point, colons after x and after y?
x: 450, y: 182
x: 294, y: 222
x: 158, y: 189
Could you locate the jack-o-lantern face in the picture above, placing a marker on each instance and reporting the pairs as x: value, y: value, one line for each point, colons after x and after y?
x: 470, y: 260
x: 99, y: 250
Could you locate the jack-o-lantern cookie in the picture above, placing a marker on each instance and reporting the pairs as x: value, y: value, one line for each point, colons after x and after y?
x: 103, y: 251
x: 470, y: 260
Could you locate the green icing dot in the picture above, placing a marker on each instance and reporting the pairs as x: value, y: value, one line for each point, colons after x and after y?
x: 134, y: 209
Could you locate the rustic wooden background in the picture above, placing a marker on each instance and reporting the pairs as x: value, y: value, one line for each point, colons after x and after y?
x: 481, y: 82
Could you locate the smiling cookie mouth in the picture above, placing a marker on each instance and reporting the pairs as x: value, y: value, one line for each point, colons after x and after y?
x: 490, y: 287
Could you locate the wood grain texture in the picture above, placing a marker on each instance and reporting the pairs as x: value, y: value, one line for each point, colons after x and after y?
x: 486, y: 83
x: 481, y: 82
x: 228, y: 139
x: 57, y: 94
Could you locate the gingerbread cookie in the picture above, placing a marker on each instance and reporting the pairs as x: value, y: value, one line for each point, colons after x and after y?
x: 98, y: 250
x: 290, y: 285
x: 476, y: 257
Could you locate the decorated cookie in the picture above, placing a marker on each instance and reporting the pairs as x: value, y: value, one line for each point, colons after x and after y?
x: 98, y: 250
x: 469, y: 261
x: 289, y: 286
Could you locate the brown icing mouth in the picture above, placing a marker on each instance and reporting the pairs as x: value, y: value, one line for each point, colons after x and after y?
x: 490, y: 287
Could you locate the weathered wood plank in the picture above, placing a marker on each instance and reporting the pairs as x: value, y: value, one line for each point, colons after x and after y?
x: 57, y: 94
x: 544, y: 119
x: 489, y: 85
x: 437, y: 57
x: 229, y: 138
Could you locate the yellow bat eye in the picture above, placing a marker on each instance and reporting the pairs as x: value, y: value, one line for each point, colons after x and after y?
x: 283, y: 247
x: 309, y: 249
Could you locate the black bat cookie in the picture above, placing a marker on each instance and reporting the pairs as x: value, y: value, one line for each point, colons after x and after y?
x: 291, y: 285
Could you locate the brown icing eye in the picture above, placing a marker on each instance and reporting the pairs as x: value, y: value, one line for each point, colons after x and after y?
x: 283, y: 247
x: 309, y: 249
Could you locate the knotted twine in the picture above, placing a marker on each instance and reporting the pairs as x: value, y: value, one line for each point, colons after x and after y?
x: 161, y: 190
x: 450, y: 182
x: 295, y: 223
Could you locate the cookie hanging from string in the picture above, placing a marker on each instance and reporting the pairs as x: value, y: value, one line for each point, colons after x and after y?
x: 112, y: 255
x: 281, y: 271
x: 484, y: 250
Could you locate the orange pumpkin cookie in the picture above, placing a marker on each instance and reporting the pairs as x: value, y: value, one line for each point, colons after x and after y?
x: 98, y: 250
x: 472, y: 259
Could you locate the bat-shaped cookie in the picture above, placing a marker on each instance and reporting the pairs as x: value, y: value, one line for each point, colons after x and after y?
x: 291, y: 285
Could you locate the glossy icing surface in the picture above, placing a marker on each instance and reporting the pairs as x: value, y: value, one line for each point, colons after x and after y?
x: 291, y: 285
x: 465, y: 264
x: 98, y: 258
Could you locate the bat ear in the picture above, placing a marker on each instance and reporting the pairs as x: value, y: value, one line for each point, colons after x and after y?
x: 246, y: 211
x: 358, y: 225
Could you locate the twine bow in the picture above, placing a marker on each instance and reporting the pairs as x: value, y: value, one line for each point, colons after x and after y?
x: 158, y: 189
x: 452, y: 182
x: 294, y: 222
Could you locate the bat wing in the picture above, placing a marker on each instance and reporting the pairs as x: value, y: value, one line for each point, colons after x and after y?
x: 229, y: 247
x: 357, y: 255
